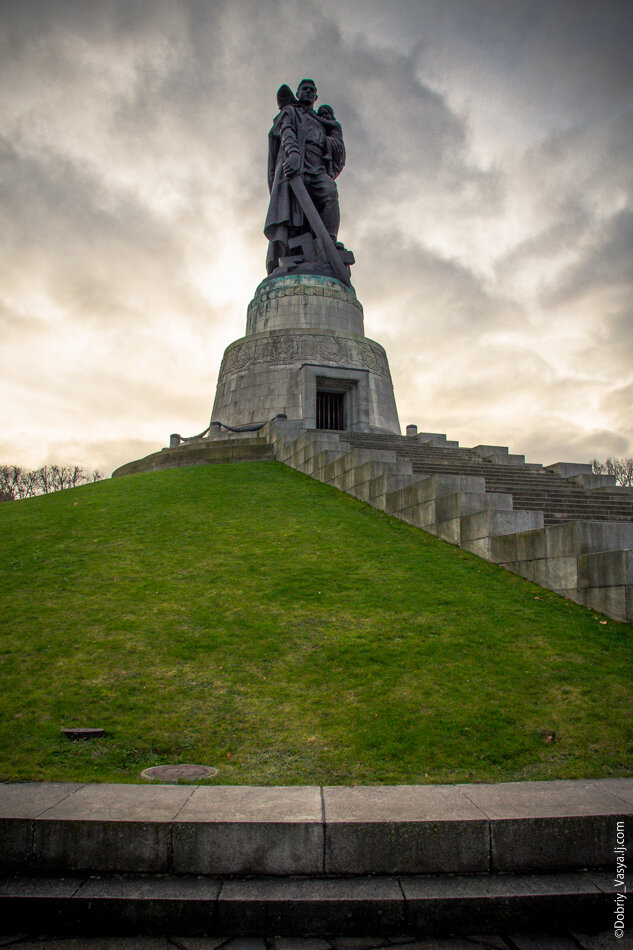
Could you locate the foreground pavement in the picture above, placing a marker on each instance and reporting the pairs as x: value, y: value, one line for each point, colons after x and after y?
x: 501, y: 859
x: 516, y: 941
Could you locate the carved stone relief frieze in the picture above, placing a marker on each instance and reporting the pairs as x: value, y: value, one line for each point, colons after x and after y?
x: 283, y: 349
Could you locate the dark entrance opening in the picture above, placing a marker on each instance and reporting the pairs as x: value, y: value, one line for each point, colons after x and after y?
x: 330, y: 410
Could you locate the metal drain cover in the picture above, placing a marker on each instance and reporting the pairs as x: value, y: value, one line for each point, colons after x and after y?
x: 83, y: 733
x: 178, y: 773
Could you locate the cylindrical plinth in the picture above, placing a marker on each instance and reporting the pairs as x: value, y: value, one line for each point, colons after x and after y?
x: 305, y: 355
x: 319, y: 303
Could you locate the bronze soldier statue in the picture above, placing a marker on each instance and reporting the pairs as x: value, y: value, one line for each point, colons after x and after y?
x: 306, y: 153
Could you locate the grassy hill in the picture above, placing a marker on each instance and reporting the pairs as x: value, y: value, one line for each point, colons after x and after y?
x: 247, y: 617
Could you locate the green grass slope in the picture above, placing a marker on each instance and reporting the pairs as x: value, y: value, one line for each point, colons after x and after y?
x: 248, y: 617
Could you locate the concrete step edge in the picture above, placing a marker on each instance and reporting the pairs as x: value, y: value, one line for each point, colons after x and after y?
x: 302, y: 906
x: 307, y: 830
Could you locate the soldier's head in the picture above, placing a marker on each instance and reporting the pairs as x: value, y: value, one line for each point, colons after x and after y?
x: 307, y: 92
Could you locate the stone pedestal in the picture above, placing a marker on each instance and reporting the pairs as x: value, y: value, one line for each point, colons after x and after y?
x: 305, y: 354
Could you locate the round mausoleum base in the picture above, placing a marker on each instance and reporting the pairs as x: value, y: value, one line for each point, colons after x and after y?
x: 305, y: 355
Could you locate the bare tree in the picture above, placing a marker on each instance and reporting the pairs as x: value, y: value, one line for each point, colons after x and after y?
x: 56, y: 477
x: 16, y: 482
x: 7, y: 488
x: 30, y: 482
x: 78, y: 476
x: 621, y: 468
x: 45, y: 480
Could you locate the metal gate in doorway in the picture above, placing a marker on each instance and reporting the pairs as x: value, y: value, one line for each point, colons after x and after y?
x: 330, y: 410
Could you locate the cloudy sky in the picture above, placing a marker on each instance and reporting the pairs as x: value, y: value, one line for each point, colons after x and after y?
x: 488, y: 197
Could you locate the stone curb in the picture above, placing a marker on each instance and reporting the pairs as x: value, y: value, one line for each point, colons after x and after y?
x: 307, y: 906
x: 307, y: 830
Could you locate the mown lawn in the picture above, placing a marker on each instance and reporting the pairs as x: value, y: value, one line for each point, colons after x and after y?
x: 247, y: 617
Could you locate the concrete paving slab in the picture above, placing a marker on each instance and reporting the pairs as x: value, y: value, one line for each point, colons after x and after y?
x: 112, y: 905
x: 445, y: 943
x: 96, y: 802
x: 619, y: 787
x: 605, y: 941
x: 189, y: 888
x: 419, y: 887
x: 545, y: 799
x: 523, y: 941
x: 300, y: 943
x: 380, y: 943
x: 200, y: 943
x: 253, y: 804
x: 96, y: 943
x: 311, y: 907
x: 496, y: 904
x: 490, y: 941
x: 403, y: 829
x: 32, y: 799
x: 550, y: 825
x: 247, y: 943
x: 602, y: 879
x: 50, y: 887
x: 380, y: 803
x: 357, y: 943
x: 536, y: 941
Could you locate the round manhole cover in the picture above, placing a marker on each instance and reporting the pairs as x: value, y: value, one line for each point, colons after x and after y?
x: 178, y: 773
x: 83, y: 733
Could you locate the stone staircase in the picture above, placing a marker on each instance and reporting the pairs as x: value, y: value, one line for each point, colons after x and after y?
x: 561, y: 527
x: 308, y: 861
x: 531, y: 486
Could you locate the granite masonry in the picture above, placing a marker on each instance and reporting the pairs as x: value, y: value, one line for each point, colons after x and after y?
x: 305, y: 355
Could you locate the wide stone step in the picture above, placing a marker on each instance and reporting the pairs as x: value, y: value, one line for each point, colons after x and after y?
x: 541, y: 490
x: 319, y: 906
x: 306, y: 830
x: 307, y: 861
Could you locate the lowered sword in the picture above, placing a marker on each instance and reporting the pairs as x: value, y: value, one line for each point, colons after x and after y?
x: 316, y: 223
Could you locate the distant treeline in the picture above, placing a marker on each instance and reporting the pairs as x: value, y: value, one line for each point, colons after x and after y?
x: 16, y: 482
x: 621, y: 468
